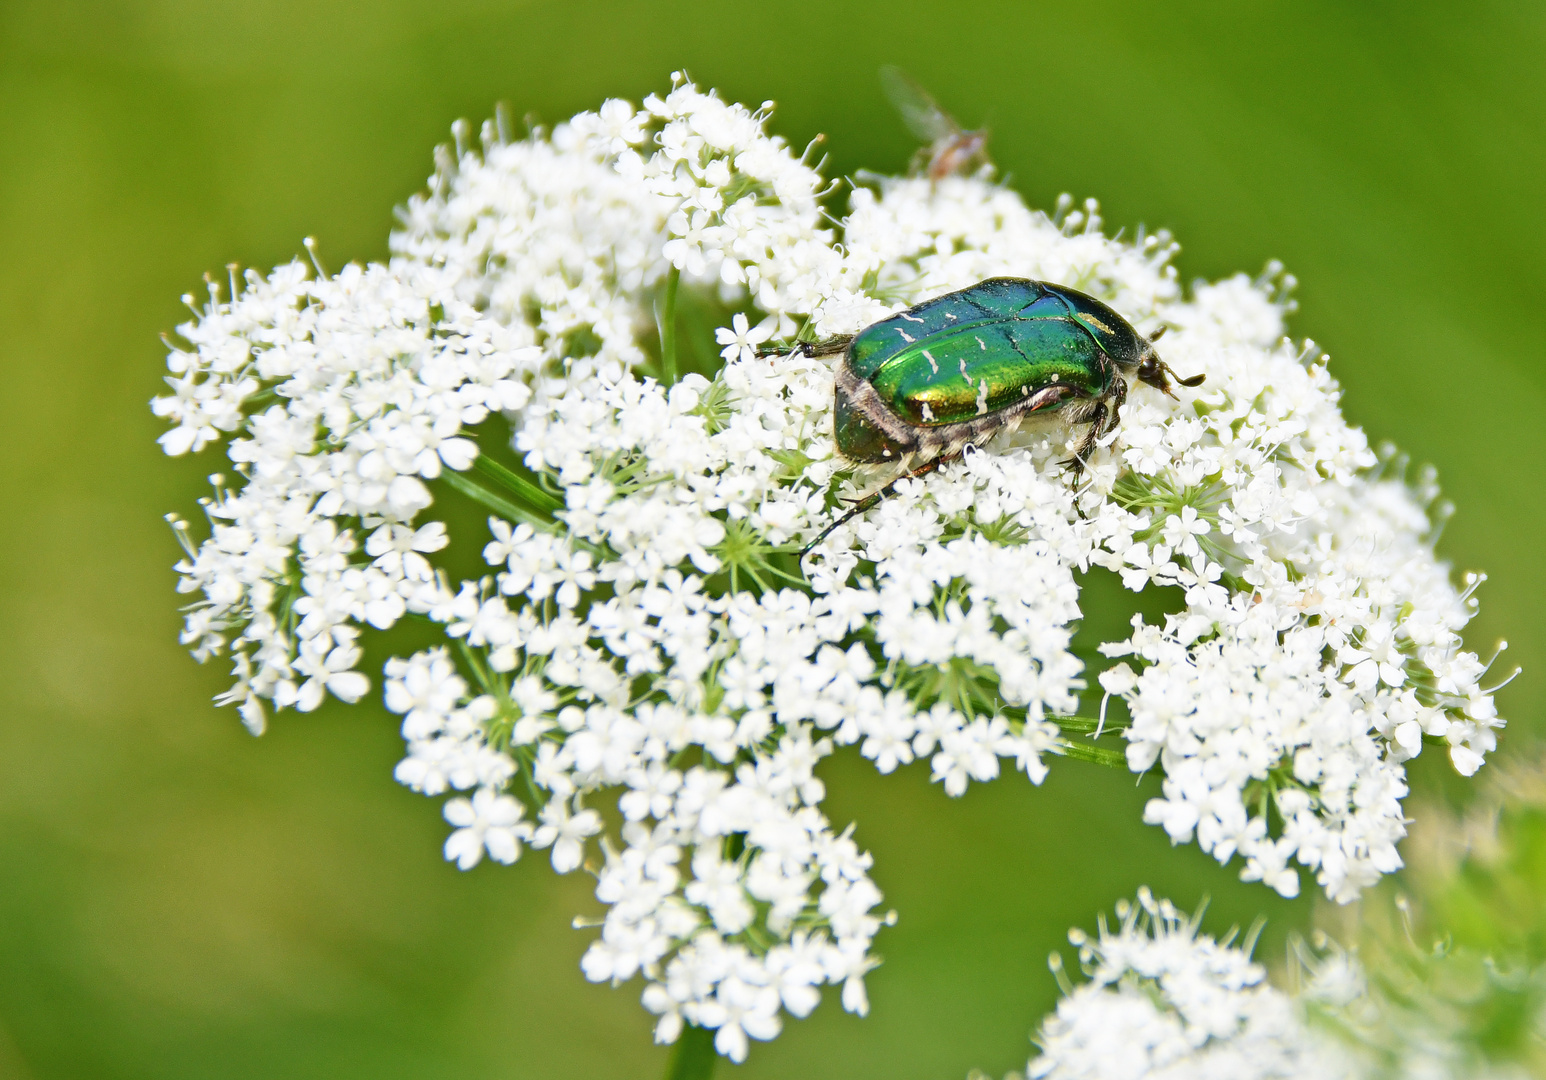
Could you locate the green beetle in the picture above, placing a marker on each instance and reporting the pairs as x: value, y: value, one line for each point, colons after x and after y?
x: 924, y: 384
x: 951, y: 372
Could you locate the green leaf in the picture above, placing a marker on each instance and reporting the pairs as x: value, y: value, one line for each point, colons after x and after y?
x: 693, y: 1056
x: 517, y: 484
x: 1083, y: 751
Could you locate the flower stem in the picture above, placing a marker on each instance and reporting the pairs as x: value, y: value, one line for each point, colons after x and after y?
x: 693, y: 1056
x: 1081, y: 751
x: 517, y: 484
x: 1086, y: 725
x: 497, y: 503
x: 667, y: 321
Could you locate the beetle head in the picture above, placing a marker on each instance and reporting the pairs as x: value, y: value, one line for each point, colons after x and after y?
x: 1156, y: 373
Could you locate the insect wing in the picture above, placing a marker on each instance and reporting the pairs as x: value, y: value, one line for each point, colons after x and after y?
x: 920, y: 112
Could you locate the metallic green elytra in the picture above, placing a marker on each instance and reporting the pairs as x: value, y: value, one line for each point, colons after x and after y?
x: 951, y: 372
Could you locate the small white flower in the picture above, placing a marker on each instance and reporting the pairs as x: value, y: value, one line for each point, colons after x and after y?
x: 741, y: 339
x: 486, y: 822
x: 1181, y: 531
x: 566, y: 833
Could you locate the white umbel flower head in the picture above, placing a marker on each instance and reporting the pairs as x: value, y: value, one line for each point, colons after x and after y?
x: 647, y: 630
x: 1164, y: 1002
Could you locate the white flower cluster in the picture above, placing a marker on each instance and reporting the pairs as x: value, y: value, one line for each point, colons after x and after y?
x: 1320, y: 645
x: 648, y: 631
x: 1164, y: 1002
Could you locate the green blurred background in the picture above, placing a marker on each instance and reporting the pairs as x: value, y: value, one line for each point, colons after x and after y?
x: 178, y: 899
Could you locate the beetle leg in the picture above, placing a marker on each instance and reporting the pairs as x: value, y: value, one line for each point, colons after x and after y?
x: 1101, y: 419
x: 869, y: 502
x: 1118, y: 399
x: 1102, y: 416
x: 830, y: 347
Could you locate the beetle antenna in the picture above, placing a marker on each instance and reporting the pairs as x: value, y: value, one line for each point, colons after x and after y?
x: 1195, y: 380
x: 1156, y: 335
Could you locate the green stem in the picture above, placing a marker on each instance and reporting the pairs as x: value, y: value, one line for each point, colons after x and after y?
x: 1081, y: 751
x: 1086, y: 725
x: 667, y: 320
x: 512, y: 511
x: 693, y: 1056
x: 497, y: 503
x: 518, y: 485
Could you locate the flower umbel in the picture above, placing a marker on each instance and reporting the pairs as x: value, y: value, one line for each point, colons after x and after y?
x: 1164, y: 1001
x: 647, y: 630
x: 1447, y: 980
